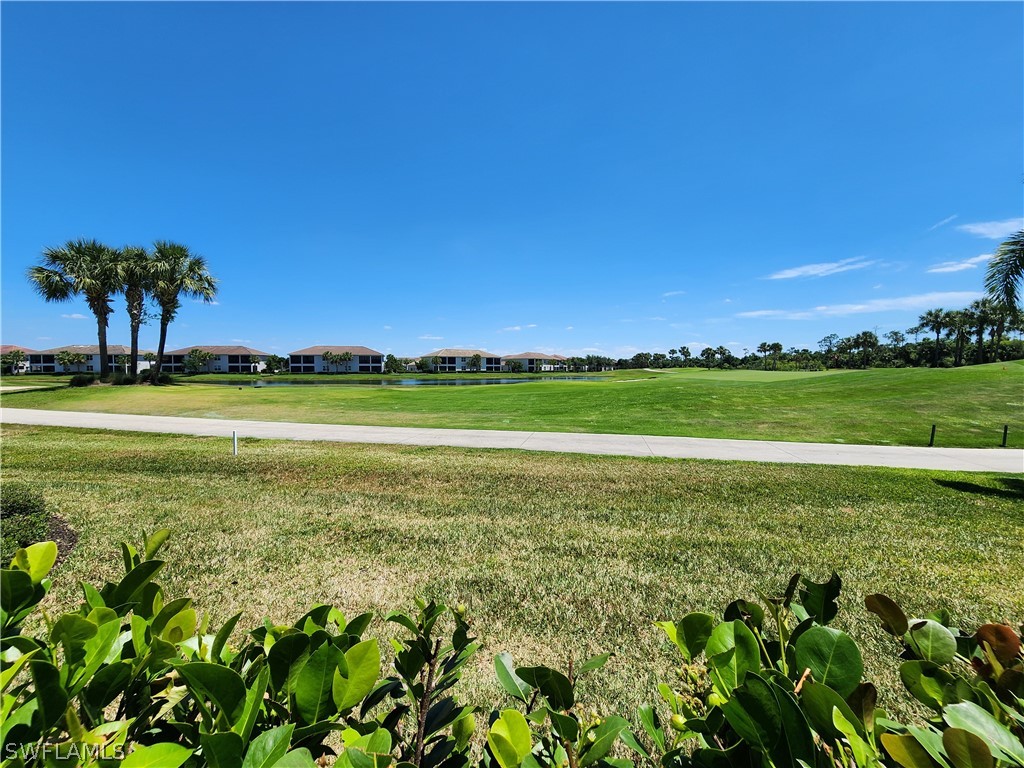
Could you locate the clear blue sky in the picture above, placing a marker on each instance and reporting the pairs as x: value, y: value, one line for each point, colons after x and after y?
x: 565, y: 177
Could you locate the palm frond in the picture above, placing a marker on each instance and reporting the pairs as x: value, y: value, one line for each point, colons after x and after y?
x: 1005, y: 271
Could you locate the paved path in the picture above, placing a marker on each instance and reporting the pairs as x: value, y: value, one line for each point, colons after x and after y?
x: 965, y: 459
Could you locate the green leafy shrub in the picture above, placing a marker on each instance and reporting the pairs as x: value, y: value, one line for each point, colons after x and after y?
x: 82, y: 380
x: 120, y: 378
x: 134, y: 677
x: 24, y: 518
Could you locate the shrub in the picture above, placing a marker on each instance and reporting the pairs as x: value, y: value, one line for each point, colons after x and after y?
x: 770, y: 684
x: 25, y: 520
x: 120, y: 378
x: 82, y: 380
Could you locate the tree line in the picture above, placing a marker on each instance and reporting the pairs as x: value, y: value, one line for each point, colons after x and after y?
x: 150, y: 280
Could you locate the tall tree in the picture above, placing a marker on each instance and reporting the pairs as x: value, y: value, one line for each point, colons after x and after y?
x: 137, y: 268
x: 980, y: 314
x: 934, y: 320
x: 85, y: 268
x: 1005, y: 272
x: 177, y: 272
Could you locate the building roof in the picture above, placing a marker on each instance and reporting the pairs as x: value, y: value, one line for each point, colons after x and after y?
x: 217, y: 350
x: 5, y: 348
x: 460, y: 353
x: 91, y: 349
x: 533, y: 356
x: 321, y: 348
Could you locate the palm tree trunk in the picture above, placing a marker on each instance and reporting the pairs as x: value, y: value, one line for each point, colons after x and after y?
x: 935, y: 361
x: 101, y: 322
x: 158, y: 365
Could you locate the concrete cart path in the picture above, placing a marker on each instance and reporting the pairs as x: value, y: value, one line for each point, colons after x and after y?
x: 962, y: 459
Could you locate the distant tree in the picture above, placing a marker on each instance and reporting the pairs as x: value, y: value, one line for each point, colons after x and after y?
x: 124, y: 361
x: 514, y: 366
x: 344, y: 357
x: 81, y: 267
x: 640, y: 360
x: 980, y: 314
x: 177, y: 272
x: 475, y: 362
x: 198, y: 359
x: 686, y: 354
x: 708, y: 355
x: 330, y: 358
x: 1005, y: 273
x: 934, y: 320
x: 11, y: 361
x: 254, y: 363
x: 393, y: 365
x: 776, y: 349
x: 149, y: 357
x: 958, y: 328
x: 763, y: 349
x: 66, y: 358
x: 275, y: 363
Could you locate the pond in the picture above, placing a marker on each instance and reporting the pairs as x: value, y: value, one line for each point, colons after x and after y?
x: 400, y: 382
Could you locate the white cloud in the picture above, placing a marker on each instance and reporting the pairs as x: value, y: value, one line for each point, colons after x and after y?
x: 727, y: 301
x: 428, y: 337
x: 44, y: 338
x: 208, y: 303
x: 568, y: 327
x: 518, y: 327
x: 387, y: 327
x: 942, y: 223
x: 75, y: 316
x: 958, y: 266
x: 821, y: 270
x: 895, y: 304
x: 242, y: 341
x: 672, y: 293
x: 993, y: 230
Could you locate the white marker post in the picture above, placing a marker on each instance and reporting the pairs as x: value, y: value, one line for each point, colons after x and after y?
x: 234, y: 442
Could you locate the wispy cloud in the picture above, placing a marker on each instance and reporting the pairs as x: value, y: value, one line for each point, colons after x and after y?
x: 672, y: 293
x: 993, y: 230
x: 387, y: 327
x: 959, y: 266
x: 913, y: 303
x: 242, y: 341
x: 428, y: 337
x: 942, y: 223
x: 568, y: 327
x: 514, y: 328
x: 75, y: 316
x: 821, y: 270
x: 208, y: 303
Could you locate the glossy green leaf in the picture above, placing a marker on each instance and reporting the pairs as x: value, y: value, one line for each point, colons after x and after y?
x: 510, y: 681
x: 313, y: 684
x: 222, y: 750
x: 363, y: 663
x: 930, y: 641
x: 833, y: 658
x: 36, y: 560
x: 604, y: 737
x: 819, y: 600
x: 966, y: 750
x: 218, y: 684
x: 553, y: 685
x: 753, y: 712
x: 157, y: 756
x: 509, y: 738
x: 269, y: 747
x: 970, y: 717
x: 732, y: 652
x: 905, y: 750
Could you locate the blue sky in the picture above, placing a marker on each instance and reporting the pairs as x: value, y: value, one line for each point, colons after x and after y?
x: 568, y: 177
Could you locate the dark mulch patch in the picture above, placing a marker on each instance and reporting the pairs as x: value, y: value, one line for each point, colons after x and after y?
x: 64, y: 536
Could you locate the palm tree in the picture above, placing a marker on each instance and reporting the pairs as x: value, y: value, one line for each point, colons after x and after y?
x: 980, y: 314
x: 934, y: 320
x: 81, y: 268
x: 137, y: 272
x: 177, y: 272
x: 1006, y: 271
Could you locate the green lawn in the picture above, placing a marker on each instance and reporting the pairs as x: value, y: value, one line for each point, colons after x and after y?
x: 970, y: 405
x: 555, y: 555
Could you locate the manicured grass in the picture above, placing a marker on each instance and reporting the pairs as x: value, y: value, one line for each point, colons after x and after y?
x: 555, y: 555
x: 969, y: 405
